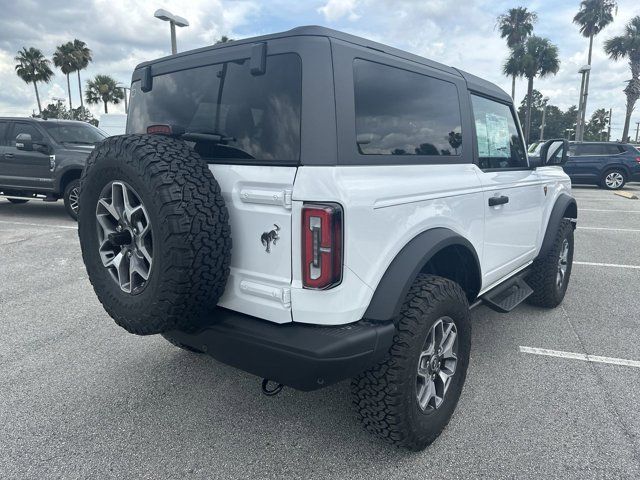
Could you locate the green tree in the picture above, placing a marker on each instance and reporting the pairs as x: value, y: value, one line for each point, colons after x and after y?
x: 597, y: 126
x: 515, y: 25
x: 627, y: 45
x: 55, y: 110
x: 64, y: 58
x: 83, y: 57
x: 223, y: 39
x: 33, y: 67
x: 539, y: 58
x: 103, y: 88
x: 593, y: 17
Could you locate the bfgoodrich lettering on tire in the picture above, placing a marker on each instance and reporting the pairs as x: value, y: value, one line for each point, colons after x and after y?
x: 409, y: 398
x: 154, y: 232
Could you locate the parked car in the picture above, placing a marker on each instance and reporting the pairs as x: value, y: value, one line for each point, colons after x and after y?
x: 372, y: 196
x: 607, y: 164
x: 43, y: 159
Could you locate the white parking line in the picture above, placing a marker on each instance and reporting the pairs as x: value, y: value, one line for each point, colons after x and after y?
x: 614, y: 265
x: 580, y: 356
x: 39, y: 225
x: 608, y: 211
x: 609, y: 229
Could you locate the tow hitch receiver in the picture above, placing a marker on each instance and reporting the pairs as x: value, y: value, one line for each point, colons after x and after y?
x: 271, y: 392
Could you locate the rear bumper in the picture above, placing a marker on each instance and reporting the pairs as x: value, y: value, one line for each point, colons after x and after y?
x: 635, y: 177
x: 305, y: 357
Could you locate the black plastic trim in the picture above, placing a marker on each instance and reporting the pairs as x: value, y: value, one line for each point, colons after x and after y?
x: 403, y: 270
x: 305, y: 357
x: 557, y: 214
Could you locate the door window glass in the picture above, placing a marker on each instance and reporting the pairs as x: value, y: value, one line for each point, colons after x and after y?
x: 499, y: 142
x: 592, y: 149
x: 399, y: 112
x: 3, y: 133
x: 19, y: 128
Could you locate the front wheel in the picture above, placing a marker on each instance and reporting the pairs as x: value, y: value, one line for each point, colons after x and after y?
x: 409, y: 398
x: 613, y: 179
x: 71, y: 198
x: 550, y: 274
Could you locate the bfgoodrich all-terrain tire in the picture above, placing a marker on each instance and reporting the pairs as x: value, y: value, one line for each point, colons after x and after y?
x: 550, y: 274
x: 154, y: 232
x: 409, y: 398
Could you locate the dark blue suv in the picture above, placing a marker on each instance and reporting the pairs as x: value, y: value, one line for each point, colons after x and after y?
x: 607, y: 164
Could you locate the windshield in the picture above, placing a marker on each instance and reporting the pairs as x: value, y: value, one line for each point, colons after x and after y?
x: 80, y: 133
x: 227, y: 112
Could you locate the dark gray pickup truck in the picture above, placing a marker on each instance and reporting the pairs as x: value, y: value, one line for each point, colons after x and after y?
x: 44, y: 159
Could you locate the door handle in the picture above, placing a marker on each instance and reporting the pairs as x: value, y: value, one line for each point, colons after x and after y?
x: 494, y: 201
x: 8, y: 155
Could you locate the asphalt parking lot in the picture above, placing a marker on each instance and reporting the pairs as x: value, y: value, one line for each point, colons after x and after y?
x: 80, y: 398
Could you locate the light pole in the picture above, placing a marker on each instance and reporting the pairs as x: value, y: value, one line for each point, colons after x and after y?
x: 609, y: 127
x: 126, y: 100
x: 174, y: 20
x: 545, y: 100
x: 637, y: 131
x: 584, y: 70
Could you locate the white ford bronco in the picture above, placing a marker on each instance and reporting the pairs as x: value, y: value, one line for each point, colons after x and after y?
x: 311, y: 206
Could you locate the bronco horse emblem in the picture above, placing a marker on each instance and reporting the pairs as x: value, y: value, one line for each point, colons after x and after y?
x: 268, y: 238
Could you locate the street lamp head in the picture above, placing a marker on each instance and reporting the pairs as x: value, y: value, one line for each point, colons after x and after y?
x: 167, y: 16
x: 584, y: 69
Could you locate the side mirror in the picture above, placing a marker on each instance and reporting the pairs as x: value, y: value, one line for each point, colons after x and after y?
x: 554, y: 152
x: 24, y: 142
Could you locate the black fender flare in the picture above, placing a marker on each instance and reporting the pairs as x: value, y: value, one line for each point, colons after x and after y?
x: 395, y: 283
x: 565, y: 207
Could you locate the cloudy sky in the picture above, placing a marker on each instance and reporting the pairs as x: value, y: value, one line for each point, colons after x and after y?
x: 460, y: 33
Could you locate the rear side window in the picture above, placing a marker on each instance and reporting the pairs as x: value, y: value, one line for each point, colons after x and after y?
x: 256, y: 116
x: 499, y: 143
x: 3, y: 133
x: 598, y: 149
x: 399, y: 112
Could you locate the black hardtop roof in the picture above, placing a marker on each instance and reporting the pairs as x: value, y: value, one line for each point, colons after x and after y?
x: 473, y: 82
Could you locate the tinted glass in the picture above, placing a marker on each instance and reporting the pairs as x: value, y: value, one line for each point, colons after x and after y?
x: 404, y: 113
x: 80, y: 133
x: 19, y: 128
x: 592, y: 149
x: 257, y: 116
x: 499, y: 143
x: 3, y: 133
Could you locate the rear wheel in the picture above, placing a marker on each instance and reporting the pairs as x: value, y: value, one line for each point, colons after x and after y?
x: 154, y: 233
x: 613, y: 179
x: 17, y: 201
x: 72, y: 198
x: 409, y: 398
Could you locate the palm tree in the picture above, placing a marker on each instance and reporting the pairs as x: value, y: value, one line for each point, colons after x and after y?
x: 65, y: 60
x: 516, y: 25
x: 33, y: 67
x: 627, y: 45
x: 83, y: 56
x: 539, y: 58
x: 593, y: 17
x: 103, y: 88
x: 513, y: 68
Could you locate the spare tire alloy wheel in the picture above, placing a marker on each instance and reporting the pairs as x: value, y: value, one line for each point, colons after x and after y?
x: 125, y: 236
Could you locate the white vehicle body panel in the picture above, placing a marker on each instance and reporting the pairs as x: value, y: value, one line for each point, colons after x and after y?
x: 258, y: 198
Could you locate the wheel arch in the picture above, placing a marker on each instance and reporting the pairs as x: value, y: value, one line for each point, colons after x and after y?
x: 439, y: 251
x: 565, y: 207
x: 68, y: 176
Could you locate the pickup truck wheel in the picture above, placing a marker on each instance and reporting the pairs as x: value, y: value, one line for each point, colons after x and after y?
x: 409, y: 398
x: 613, y: 179
x: 17, y: 201
x: 72, y: 198
x: 550, y: 274
x: 154, y: 233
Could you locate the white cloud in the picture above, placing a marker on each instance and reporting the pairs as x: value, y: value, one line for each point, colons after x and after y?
x: 336, y: 9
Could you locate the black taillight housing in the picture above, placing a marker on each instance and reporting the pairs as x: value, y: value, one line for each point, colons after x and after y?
x: 321, y: 245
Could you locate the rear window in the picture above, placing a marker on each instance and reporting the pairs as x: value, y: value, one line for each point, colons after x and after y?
x: 599, y: 149
x: 399, y: 112
x: 256, y: 116
x: 76, y: 133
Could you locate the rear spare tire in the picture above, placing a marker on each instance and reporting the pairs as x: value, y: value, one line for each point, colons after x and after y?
x: 154, y: 232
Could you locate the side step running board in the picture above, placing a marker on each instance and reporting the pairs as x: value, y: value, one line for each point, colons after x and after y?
x: 508, y: 295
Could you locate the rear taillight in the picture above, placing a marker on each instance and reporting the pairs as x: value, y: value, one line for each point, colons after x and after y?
x: 321, y: 245
x: 159, y: 129
x: 638, y: 159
